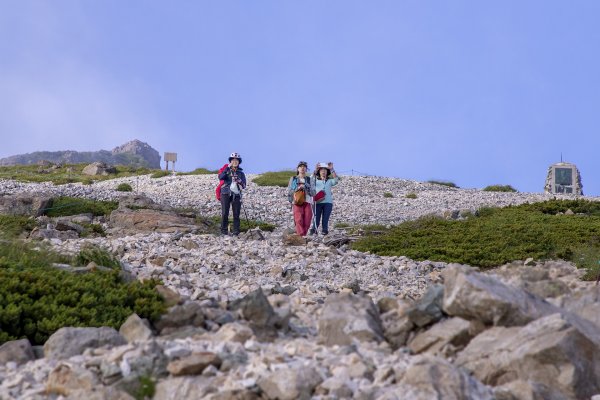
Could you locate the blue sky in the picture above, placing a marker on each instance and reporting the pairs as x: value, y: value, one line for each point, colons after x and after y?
x: 473, y: 92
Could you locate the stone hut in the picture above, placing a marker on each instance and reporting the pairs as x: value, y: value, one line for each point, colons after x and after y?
x: 563, y: 178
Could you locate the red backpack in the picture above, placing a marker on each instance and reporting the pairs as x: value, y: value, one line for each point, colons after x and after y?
x: 218, y: 189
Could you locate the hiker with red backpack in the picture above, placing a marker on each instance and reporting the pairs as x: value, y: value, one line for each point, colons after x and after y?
x: 233, y: 181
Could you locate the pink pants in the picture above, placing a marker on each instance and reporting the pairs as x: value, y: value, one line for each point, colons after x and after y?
x: 302, y: 218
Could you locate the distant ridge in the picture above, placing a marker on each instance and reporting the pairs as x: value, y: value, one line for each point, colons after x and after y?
x: 134, y: 153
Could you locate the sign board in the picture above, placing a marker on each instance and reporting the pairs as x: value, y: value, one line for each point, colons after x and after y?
x: 170, y: 157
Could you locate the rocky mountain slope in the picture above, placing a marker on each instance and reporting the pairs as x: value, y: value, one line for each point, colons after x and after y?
x: 256, y: 317
x: 134, y: 153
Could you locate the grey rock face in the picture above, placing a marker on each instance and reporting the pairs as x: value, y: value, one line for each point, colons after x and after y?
x: 18, y: 351
x: 99, y: 168
x: 67, y: 342
x: 435, y: 378
x: 136, y: 329
x: 290, y: 382
x: 151, y: 220
x: 23, y: 204
x: 134, y: 152
x: 141, y: 149
x: 428, y: 309
x: 473, y: 295
x: 345, y: 317
x: 549, y: 351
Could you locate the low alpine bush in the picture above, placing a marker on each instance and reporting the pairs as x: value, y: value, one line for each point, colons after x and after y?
x: 279, y: 178
x: 497, y: 235
x: 124, y: 187
x: 499, y: 188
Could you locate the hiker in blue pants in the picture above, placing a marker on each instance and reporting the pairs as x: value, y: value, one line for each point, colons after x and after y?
x: 326, y: 178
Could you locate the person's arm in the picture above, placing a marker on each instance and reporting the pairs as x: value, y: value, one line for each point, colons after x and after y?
x: 311, y: 187
x: 291, y: 187
x: 223, y: 175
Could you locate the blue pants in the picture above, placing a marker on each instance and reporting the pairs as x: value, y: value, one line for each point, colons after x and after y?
x: 323, y: 210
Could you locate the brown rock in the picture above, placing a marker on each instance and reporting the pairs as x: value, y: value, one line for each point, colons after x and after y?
x: 193, y: 364
x: 136, y: 329
x: 453, y: 331
x: 151, y: 220
x: 66, y: 378
x: 170, y: 296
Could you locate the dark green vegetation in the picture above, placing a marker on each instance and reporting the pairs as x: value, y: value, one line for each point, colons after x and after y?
x: 37, y: 299
x: 199, y: 171
x: 98, y: 255
x: 160, y: 174
x: 146, y: 389
x: 411, y: 195
x: 498, y: 235
x: 499, y: 188
x: 124, y: 187
x: 443, y: 183
x: 12, y: 226
x: 68, y: 173
x: 64, y: 206
x: 280, y: 178
x: 244, y: 226
x: 387, y: 195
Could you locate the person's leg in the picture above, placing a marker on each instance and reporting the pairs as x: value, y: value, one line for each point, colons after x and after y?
x: 307, y: 218
x: 319, y: 209
x: 236, y: 205
x: 298, y: 218
x: 327, y: 208
x: 225, y: 201
x: 313, y: 222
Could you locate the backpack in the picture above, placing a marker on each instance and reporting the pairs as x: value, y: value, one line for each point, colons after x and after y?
x: 218, y: 189
x: 299, y: 196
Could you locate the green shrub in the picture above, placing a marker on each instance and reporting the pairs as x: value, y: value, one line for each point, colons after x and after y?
x: 36, y: 299
x: 495, y: 236
x: 12, y: 226
x: 161, y: 174
x: 387, y: 195
x: 64, y: 206
x: 411, y: 195
x: 443, y: 183
x: 124, y: 187
x: 146, y: 389
x: 100, y: 256
x: 244, y: 226
x: 280, y: 178
x: 499, y: 188
x: 199, y: 171
x: 68, y: 173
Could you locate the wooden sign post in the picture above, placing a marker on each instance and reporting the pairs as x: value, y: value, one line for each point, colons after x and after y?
x: 170, y: 157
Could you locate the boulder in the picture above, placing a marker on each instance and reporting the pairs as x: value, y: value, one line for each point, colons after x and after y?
x: 428, y: 309
x: 257, y: 310
x: 453, y: 331
x: 346, y: 317
x: 99, y: 393
x: 193, y: 364
x: 25, y: 204
x: 18, y: 351
x: 396, y: 328
x: 428, y: 377
x: 549, y: 351
x: 181, y: 315
x: 527, y: 390
x: 472, y: 295
x: 41, y: 234
x: 68, y: 341
x: 290, y: 238
x: 99, y: 168
x: 586, y: 304
x: 66, y: 378
x: 136, y: 329
x: 234, y: 332
x: 146, y: 220
x: 184, y: 388
x: 290, y: 382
